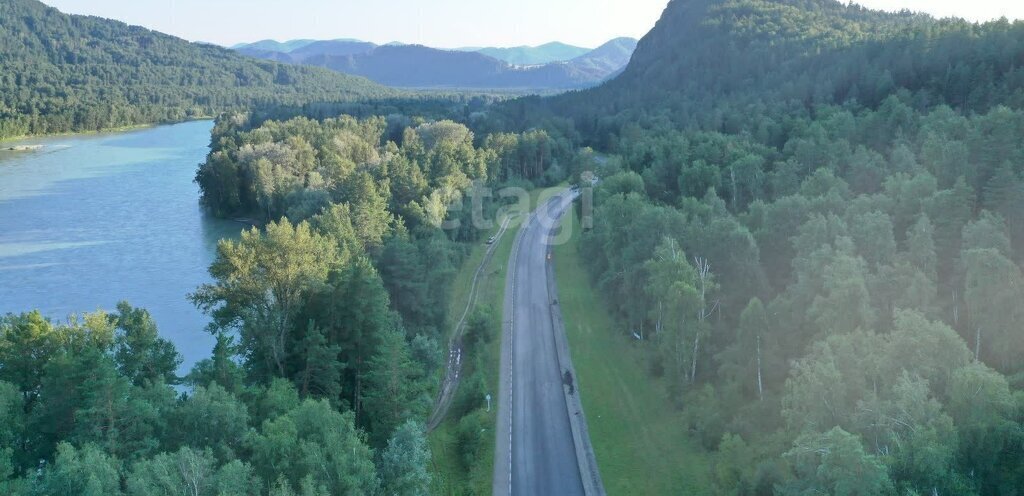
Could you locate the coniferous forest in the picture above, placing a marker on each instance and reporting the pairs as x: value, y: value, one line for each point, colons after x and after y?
x: 811, y: 213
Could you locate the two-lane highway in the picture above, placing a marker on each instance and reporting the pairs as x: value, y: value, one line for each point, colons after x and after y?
x: 535, y: 454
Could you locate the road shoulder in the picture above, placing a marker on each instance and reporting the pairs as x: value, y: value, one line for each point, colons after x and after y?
x: 589, y: 473
x: 502, y: 481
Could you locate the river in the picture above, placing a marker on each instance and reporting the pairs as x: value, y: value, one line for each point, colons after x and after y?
x: 88, y: 221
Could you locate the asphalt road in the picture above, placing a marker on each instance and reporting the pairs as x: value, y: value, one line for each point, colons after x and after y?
x: 534, y: 453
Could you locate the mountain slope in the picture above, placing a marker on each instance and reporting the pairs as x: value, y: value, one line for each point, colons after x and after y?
x: 416, y: 66
x: 706, y: 58
x: 608, y: 58
x: 299, y: 51
x: 331, y: 48
x: 62, y: 73
x: 259, y: 53
x: 527, y: 55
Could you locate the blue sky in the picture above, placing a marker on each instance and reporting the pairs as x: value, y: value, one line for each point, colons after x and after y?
x: 439, y: 23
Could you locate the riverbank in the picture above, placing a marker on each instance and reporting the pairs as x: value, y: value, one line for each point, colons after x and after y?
x: 111, y: 130
x: 23, y: 148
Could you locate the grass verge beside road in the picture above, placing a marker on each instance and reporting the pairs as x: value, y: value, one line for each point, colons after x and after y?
x: 452, y: 475
x: 640, y: 440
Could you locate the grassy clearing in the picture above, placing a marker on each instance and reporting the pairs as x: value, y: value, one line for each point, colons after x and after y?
x: 641, y: 444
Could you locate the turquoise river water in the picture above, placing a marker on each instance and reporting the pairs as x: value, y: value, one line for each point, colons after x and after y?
x: 88, y: 221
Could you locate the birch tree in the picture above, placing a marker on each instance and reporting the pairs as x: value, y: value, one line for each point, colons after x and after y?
x: 261, y: 282
x: 994, y: 290
x: 674, y: 285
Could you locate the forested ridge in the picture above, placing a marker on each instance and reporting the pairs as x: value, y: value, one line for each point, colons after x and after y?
x: 67, y: 73
x: 814, y: 219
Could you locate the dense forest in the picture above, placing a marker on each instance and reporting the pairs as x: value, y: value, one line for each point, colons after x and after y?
x: 329, y: 322
x: 867, y: 308
x: 88, y: 408
x: 67, y: 73
x: 813, y: 218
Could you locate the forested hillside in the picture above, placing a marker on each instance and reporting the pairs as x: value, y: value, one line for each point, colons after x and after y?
x: 740, y: 65
x: 63, y: 73
x: 814, y: 218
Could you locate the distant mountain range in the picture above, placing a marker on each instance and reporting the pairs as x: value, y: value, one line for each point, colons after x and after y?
x: 274, y: 46
x: 527, y: 55
x: 554, y: 66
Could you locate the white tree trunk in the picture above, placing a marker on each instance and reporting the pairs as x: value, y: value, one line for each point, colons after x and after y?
x: 696, y: 346
x: 977, y: 345
x: 704, y: 272
x: 732, y: 174
x: 661, y: 313
x: 760, y: 385
x: 956, y: 310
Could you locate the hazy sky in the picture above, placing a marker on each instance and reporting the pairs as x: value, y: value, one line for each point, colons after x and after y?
x: 439, y: 23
